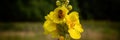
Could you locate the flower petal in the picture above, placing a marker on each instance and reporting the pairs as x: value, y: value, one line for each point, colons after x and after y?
x: 74, y: 34
x: 74, y: 16
x: 78, y: 27
x: 49, y: 26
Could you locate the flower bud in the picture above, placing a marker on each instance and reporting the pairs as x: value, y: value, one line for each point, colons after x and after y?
x: 69, y: 7
x: 58, y: 3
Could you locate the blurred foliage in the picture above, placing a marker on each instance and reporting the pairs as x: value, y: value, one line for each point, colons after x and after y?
x: 39, y: 8
x: 30, y: 10
x: 35, y: 10
x: 10, y: 27
x: 6, y: 26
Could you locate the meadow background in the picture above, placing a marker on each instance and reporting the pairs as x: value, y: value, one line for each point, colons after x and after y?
x: 23, y: 19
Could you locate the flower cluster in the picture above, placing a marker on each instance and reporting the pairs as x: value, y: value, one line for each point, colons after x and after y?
x: 60, y: 24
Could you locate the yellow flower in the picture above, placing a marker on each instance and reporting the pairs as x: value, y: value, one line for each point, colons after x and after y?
x: 58, y: 23
x: 72, y: 20
x: 53, y: 18
x: 50, y: 28
x: 74, y: 34
x: 58, y: 15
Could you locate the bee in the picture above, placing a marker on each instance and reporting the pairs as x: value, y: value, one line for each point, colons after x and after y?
x: 60, y: 14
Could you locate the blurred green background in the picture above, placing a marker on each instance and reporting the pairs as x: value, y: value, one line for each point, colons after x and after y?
x: 23, y: 19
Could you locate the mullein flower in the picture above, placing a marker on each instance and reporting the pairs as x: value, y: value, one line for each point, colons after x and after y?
x: 58, y: 15
x: 61, y: 25
x: 50, y: 28
x: 53, y: 18
x: 72, y: 20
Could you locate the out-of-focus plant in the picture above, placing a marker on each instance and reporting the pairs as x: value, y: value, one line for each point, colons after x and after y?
x: 62, y: 25
x: 35, y: 10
